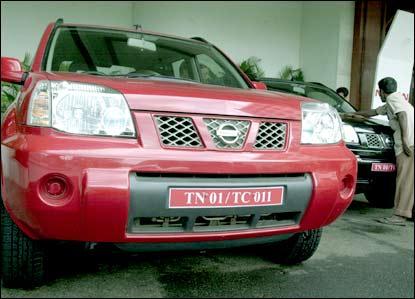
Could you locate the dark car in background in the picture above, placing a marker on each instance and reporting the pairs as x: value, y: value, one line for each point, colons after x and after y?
x: 371, y: 140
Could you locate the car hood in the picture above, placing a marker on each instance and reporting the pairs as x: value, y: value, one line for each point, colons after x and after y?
x: 371, y: 125
x: 165, y: 95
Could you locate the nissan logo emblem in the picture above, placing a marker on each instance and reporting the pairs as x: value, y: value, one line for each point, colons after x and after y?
x: 228, y: 133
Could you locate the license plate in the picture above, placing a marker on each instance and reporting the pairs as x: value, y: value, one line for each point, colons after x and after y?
x: 383, y: 167
x: 225, y: 197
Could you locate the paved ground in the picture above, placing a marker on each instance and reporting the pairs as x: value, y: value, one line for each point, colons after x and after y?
x: 357, y: 257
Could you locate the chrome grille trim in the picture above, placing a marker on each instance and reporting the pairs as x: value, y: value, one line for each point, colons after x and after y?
x: 271, y: 135
x: 177, y: 131
x: 213, y: 124
x: 374, y: 141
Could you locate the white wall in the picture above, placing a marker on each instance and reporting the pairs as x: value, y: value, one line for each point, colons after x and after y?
x: 327, y: 42
x: 346, y: 32
x: 268, y: 30
x: 23, y: 23
x: 316, y: 36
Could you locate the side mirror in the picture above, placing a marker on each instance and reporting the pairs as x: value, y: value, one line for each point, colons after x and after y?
x: 11, y: 70
x: 259, y: 85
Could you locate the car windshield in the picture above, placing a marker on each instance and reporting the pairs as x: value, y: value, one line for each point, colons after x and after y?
x: 322, y: 94
x: 134, y: 54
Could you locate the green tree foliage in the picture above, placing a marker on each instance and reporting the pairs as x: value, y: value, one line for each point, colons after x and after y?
x: 288, y: 73
x: 9, y: 91
x: 251, y: 68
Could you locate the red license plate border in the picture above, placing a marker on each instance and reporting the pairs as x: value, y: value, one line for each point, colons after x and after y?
x: 282, y: 188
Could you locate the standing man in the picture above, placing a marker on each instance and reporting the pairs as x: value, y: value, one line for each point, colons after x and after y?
x: 401, y: 119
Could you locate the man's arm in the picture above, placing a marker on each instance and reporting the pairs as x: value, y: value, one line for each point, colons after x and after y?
x: 403, y: 123
x: 360, y: 114
x: 367, y: 113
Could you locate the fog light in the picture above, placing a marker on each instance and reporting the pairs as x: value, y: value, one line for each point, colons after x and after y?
x: 347, y: 187
x: 55, y: 187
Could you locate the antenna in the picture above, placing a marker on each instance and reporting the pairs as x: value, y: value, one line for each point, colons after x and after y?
x: 139, y: 29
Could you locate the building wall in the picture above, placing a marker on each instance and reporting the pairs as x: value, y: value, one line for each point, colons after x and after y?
x: 268, y: 30
x: 316, y: 36
x: 345, y: 51
x: 23, y: 23
x: 327, y: 42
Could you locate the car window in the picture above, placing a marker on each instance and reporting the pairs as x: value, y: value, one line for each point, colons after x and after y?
x: 210, y: 71
x: 180, y: 69
x: 319, y: 95
x: 331, y: 98
x: 119, y: 53
x: 323, y: 94
x: 185, y: 69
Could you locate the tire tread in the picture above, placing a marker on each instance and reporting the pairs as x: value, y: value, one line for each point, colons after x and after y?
x: 23, y: 259
x: 298, y: 248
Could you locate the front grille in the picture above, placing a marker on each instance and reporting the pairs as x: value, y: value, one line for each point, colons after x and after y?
x: 271, y: 135
x: 374, y: 141
x: 178, y: 131
x: 213, y: 223
x: 227, y: 134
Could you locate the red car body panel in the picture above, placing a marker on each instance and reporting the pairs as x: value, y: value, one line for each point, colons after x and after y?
x: 97, y: 169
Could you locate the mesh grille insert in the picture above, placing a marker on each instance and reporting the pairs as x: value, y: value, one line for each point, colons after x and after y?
x: 373, y: 140
x: 227, y: 134
x: 177, y: 131
x: 271, y: 136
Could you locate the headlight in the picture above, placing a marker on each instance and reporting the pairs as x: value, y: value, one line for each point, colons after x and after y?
x: 388, y: 141
x: 321, y: 124
x: 349, y: 134
x: 80, y: 109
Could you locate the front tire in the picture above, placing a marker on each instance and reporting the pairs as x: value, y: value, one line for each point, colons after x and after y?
x: 296, y: 249
x: 23, y: 260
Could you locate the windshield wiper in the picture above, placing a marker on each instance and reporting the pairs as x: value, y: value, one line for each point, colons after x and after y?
x: 136, y: 75
x: 93, y: 73
x: 143, y: 75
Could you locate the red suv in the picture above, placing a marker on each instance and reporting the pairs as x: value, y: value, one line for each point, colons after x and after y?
x: 155, y: 142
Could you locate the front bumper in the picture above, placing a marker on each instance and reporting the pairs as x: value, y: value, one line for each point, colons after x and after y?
x: 149, y: 211
x: 99, y: 206
x: 368, y: 179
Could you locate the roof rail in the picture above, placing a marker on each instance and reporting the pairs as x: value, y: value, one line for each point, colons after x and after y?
x: 58, y: 22
x: 200, y: 39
